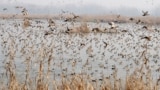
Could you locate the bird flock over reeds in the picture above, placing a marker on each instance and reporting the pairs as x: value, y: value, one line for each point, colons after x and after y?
x: 49, y: 54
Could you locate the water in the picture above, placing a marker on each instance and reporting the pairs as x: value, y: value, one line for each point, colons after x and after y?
x: 122, y: 52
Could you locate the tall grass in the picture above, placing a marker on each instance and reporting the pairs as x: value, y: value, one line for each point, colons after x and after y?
x: 138, y: 80
x: 45, y: 79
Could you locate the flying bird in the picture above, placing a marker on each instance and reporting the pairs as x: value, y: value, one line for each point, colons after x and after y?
x: 24, y: 11
x: 18, y: 7
x: 139, y: 21
x: 131, y: 19
x: 96, y: 30
x: 124, y: 30
x: 112, y: 25
x: 145, y: 27
x: 75, y: 16
x: 4, y: 9
x: 146, y: 37
x: 48, y: 32
x: 145, y: 13
x: 68, y: 30
x: 106, y: 44
x: 67, y: 20
x: 51, y: 23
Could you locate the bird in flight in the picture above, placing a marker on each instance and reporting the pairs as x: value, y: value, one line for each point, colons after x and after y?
x: 112, y: 25
x: 4, y: 9
x: 145, y: 13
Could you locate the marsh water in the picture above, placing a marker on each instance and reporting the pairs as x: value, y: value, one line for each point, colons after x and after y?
x: 96, y: 54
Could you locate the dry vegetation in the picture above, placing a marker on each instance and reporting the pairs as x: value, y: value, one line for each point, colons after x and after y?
x: 89, y: 18
x: 140, y: 79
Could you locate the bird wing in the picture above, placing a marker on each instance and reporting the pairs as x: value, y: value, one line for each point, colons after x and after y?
x: 143, y: 11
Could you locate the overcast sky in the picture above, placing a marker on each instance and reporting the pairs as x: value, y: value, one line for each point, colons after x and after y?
x: 87, y: 6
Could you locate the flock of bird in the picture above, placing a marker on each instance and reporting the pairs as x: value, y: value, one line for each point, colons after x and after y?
x: 96, y: 50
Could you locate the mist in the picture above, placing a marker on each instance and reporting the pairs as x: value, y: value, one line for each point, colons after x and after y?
x: 84, y: 9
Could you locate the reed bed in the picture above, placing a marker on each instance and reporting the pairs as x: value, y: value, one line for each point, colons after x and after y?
x: 34, y: 49
x: 42, y: 81
x: 138, y: 80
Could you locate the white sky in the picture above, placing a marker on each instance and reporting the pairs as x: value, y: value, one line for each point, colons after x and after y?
x: 146, y: 4
x: 93, y: 5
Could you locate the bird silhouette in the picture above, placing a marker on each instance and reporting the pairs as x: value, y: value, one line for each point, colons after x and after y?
x: 4, y: 9
x: 51, y: 23
x: 111, y: 24
x: 96, y: 30
x: 146, y: 37
x: 131, y: 19
x: 145, y: 13
x: 139, y: 21
x: 145, y: 27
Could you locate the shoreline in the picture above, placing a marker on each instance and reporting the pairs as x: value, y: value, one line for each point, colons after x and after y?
x: 152, y: 20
